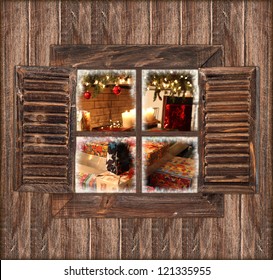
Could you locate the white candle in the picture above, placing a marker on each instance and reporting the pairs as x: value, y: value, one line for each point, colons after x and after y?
x: 188, y: 94
x: 149, y: 115
x: 133, y: 116
x: 126, y: 119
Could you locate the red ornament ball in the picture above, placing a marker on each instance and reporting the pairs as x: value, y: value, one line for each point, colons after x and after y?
x: 116, y: 90
x: 87, y: 95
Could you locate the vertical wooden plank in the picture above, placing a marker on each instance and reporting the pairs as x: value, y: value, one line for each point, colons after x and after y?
x: 165, y: 22
x: 42, y: 32
x: 136, y: 239
x: 69, y: 239
x: 75, y: 28
x: 104, y: 29
x: 167, y: 239
x: 40, y: 225
x: 227, y: 29
x: 15, y: 215
x: 105, y: 239
x: 99, y: 21
x: 196, y: 22
x: 136, y: 234
x: 75, y: 22
x: 256, y: 218
x: 165, y: 26
x: 196, y: 29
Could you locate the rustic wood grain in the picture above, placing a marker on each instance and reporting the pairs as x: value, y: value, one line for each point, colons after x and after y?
x: 144, y: 56
x: 105, y: 239
x: 132, y: 243
x: 226, y: 17
x: 165, y: 22
x: 139, y: 205
x: 196, y: 29
x: 15, y: 229
x: 39, y: 177
x: 75, y: 22
x: 136, y: 238
x: 256, y: 241
x: 226, y: 240
x: 237, y: 176
x: 228, y: 26
x: 39, y: 33
x: 69, y: 239
x: 196, y: 22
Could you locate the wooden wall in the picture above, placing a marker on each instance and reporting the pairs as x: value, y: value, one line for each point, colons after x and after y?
x: 245, y: 30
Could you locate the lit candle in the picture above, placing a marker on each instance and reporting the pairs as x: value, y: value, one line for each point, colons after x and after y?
x: 149, y: 115
x: 127, y: 119
x: 188, y: 94
x: 133, y: 116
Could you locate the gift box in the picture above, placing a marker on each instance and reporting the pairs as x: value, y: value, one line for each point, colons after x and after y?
x: 177, y: 113
x: 119, y: 159
x: 175, y: 174
x: 110, y: 182
x: 85, y: 181
x: 154, y: 151
x: 96, y: 149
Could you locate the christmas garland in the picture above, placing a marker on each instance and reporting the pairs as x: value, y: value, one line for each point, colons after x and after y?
x: 96, y: 83
x: 174, y: 83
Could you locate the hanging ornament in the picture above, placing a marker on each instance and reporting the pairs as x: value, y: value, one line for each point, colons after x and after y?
x: 116, y: 90
x: 87, y: 95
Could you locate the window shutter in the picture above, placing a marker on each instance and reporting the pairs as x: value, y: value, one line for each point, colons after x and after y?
x: 45, y: 99
x: 229, y: 129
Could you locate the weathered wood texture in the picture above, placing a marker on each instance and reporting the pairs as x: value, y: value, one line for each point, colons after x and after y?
x: 44, y: 157
x: 228, y: 143
x: 137, y: 205
x: 122, y: 205
x: 246, y: 230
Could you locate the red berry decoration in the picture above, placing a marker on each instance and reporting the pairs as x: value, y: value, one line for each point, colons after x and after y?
x: 87, y: 95
x: 116, y: 90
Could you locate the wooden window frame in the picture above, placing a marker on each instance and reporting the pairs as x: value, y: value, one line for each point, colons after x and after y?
x: 46, y: 145
x: 132, y: 205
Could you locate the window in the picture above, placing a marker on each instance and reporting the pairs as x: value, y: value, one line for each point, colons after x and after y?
x: 217, y: 137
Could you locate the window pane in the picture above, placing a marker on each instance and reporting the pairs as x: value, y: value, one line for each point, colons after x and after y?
x: 170, y: 100
x: 105, y: 164
x: 105, y: 100
x: 170, y: 164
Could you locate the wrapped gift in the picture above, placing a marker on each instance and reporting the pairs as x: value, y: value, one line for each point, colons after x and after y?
x: 95, y: 148
x: 154, y: 151
x: 86, y: 181
x: 177, y: 115
x: 119, y: 159
x: 110, y: 182
x: 175, y: 174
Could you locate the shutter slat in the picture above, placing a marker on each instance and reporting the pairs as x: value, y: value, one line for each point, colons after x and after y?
x: 45, y: 107
x: 45, y: 118
x: 227, y: 158
x: 227, y: 127
x: 44, y: 159
x: 45, y: 139
x: 226, y: 137
x: 52, y: 96
x: 228, y: 119
x: 46, y: 149
x: 227, y: 106
x: 226, y: 148
x: 45, y: 171
x: 45, y: 128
